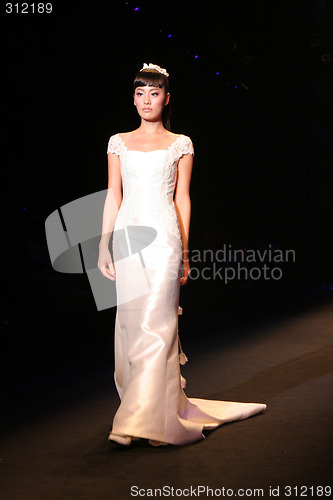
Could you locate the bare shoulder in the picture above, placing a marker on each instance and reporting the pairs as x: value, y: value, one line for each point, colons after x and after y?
x: 177, y: 136
x: 126, y: 135
x: 174, y: 136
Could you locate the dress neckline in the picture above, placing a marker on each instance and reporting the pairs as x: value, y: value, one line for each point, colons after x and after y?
x: 152, y: 151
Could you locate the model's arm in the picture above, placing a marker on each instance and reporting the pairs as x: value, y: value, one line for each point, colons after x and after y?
x: 111, y: 207
x: 183, y: 207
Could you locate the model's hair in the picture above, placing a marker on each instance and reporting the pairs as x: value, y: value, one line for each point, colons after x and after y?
x: 154, y: 78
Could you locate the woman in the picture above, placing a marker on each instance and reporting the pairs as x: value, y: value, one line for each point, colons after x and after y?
x: 147, y: 210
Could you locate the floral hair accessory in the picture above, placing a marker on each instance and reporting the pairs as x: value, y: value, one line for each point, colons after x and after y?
x: 154, y: 66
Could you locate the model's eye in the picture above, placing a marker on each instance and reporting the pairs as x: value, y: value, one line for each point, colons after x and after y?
x: 155, y: 94
x: 139, y: 94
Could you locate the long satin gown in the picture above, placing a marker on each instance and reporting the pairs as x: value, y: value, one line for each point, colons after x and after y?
x: 147, y: 253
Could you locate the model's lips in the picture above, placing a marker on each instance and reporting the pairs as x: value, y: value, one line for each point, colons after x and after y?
x: 146, y: 109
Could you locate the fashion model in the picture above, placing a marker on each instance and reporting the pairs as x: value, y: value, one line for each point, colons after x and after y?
x: 147, y: 211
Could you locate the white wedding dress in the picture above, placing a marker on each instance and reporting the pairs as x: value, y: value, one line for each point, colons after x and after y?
x: 147, y: 253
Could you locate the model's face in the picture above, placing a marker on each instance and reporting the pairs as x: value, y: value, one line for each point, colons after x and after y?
x: 150, y: 102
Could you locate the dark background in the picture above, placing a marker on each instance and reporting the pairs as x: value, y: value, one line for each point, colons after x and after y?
x: 262, y: 132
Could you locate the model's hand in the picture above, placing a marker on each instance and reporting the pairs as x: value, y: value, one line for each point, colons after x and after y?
x: 105, y: 264
x: 186, y: 272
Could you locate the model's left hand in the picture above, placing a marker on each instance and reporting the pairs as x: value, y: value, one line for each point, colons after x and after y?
x: 186, y: 273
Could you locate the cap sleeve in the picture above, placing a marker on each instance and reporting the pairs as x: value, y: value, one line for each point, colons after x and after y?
x: 114, y: 144
x: 185, y: 146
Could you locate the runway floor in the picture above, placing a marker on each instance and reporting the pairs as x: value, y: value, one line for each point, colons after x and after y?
x: 57, y: 448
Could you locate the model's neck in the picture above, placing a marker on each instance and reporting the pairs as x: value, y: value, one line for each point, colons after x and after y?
x: 151, y: 128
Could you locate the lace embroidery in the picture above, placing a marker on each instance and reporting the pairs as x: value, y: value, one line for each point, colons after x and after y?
x: 161, y: 205
x: 114, y: 145
x: 184, y: 146
x: 167, y: 189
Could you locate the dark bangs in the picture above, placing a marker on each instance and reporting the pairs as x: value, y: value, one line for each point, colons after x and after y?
x: 151, y: 78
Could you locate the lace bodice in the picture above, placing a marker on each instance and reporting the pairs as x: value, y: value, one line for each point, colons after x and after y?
x: 149, y: 180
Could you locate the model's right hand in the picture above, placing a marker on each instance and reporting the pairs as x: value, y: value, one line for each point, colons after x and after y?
x: 105, y: 264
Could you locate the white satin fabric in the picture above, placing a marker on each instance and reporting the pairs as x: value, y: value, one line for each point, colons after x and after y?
x: 147, y: 370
